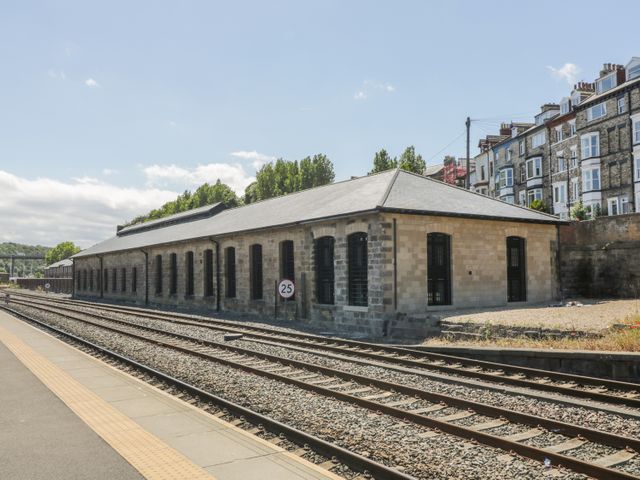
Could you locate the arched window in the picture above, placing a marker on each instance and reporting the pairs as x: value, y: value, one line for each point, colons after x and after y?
x: 255, y: 257
x: 325, y: 275
x: 114, y: 280
x: 84, y: 279
x: 189, y: 290
x: 208, y: 273
x: 358, y: 266
x: 439, y: 269
x: 230, y: 271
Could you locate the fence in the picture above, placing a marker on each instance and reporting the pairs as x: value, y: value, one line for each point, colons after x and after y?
x: 56, y: 285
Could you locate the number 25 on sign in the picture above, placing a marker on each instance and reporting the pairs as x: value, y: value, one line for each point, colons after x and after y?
x: 286, y: 288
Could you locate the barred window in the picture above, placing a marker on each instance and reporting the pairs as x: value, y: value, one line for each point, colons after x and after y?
x: 123, y: 280
x: 114, y: 280
x: 134, y: 279
x: 358, y: 266
x: 189, y: 272
x: 84, y: 279
x: 173, y: 273
x: 91, y: 273
x: 158, y: 274
x: 230, y: 272
x: 255, y: 254
x: 106, y: 280
x: 208, y: 273
x: 325, y: 275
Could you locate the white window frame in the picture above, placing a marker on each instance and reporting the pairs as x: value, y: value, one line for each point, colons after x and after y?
x: 625, y: 205
x: 538, y: 139
x: 575, y: 192
x: 574, y: 156
x: 522, y: 197
x: 536, y: 168
x: 611, y: 76
x: 596, y: 112
x: 564, y: 106
x: 635, y: 120
x: 636, y: 162
x: 562, y: 164
x: 622, y: 105
x: 559, y: 134
x: 611, y: 202
x: 590, y: 148
x: 508, y: 155
x: 590, y: 181
x: 521, y: 147
x: 572, y: 128
x: 506, y: 177
x: 534, y: 194
x: 560, y: 193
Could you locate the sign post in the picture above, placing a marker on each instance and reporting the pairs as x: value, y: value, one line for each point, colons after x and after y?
x: 286, y: 289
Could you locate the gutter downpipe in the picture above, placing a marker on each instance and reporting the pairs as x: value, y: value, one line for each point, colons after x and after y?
x: 217, y: 244
x: 146, y: 277
x: 73, y: 283
x: 558, y: 265
x: 101, y: 276
x: 633, y: 167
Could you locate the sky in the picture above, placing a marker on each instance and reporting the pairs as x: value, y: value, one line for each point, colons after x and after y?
x: 110, y: 109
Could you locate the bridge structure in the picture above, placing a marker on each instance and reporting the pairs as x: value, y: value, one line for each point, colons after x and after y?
x: 20, y: 257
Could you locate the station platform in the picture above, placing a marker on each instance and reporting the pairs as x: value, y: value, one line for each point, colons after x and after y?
x: 66, y: 415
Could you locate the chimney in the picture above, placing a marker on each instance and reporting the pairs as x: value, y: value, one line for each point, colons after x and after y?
x: 505, y: 129
x: 584, y: 87
x: 549, y: 106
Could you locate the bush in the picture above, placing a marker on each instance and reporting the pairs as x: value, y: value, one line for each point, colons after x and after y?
x: 579, y: 212
x: 539, y: 205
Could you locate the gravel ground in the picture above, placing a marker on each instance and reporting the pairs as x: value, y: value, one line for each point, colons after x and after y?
x: 594, y: 316
x: 575, y: 415
x: 400, y: 445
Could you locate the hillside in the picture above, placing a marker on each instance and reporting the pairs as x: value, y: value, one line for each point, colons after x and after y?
x: 10, y: 248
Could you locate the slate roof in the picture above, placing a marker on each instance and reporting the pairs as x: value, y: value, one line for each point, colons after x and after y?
x: 393, y: 190
x: 201, y: 212
x: 67, y: 262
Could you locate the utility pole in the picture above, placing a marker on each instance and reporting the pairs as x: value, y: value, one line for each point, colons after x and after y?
x: 467, y: 179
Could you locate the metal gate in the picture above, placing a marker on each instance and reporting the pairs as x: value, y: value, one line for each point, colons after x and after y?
x: 516, y: 270
x: 439, y: 269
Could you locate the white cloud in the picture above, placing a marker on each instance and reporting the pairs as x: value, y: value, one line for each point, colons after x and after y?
x: 568, y: 72
x: 233, y: 175
x: 109, y: 171
x: 84, y: 210
x: 257, y: 159
x: 371, y: 87
x: 91, y: 83
x: 57, y: 74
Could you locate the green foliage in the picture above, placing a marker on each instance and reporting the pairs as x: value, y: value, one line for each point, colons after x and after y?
x: 205, y: 194
x: 22, y: 267
x: 597, y: 210
x: 382, y: 161
x: 60, y: 252
x: 411, y: 162
x: 579, y: 212
x: 539, y: 205
x: 288, y: 176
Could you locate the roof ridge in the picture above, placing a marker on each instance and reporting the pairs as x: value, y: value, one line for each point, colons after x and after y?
x: 387, y: 190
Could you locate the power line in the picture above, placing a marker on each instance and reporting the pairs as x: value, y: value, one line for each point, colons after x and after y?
x: 448, y: 145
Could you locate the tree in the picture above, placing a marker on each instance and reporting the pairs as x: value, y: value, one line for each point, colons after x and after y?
x: 411, y: 162
x: 382, y: 161
x: 579, y: 212
x: 538, y: 205
x: 60, y: 252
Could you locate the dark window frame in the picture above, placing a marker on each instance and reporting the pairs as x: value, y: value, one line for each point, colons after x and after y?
x: 358, y: 269
x: 134, y: 279
x: 91, y: 274
x: 287, y: 262
x: 123, y: 279
x: 208, y: 272
x: 189, y: 267
x: 230, y: 272
x: 106, y: 279
x: 173, y: 274
x: 114, y: 279
x: 324, y: 262
x: 256, y: 272
x: 158, y: 279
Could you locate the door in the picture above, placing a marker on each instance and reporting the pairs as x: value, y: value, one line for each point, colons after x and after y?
x: 516, y: 270
x: 439, y: 269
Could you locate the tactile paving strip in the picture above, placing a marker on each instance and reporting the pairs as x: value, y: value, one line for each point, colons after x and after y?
x: 146, y: 453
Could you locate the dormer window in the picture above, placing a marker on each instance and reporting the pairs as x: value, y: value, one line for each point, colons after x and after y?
x: 633, y: 69
x: 606, y: 83
x: 564, y: 106
x: 575, y: 99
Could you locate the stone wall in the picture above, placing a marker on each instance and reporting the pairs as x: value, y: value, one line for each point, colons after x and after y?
x: 601, y: 257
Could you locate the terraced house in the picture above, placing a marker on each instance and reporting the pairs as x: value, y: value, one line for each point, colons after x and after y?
x: 586, y: 148
x: 372, y: 255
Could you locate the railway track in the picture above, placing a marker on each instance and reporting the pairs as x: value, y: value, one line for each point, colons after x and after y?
x: 396, y: 400
x: 579, y: 386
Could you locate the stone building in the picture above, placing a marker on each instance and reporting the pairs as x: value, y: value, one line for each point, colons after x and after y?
x: 373, y: 255
x: 61, y: 269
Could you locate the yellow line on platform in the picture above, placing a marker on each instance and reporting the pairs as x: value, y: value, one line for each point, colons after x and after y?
x: 154, y: 459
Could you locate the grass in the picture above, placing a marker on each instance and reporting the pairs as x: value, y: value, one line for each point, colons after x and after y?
x: 625, y: 339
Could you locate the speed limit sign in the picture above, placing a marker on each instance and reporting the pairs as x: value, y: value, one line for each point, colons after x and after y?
x: 286, y: 288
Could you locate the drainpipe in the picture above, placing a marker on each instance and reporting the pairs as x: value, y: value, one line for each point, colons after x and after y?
x: 395, y: 265
x: 101, y: 277
x: 217, y: 244
x: 146, y: 277
x: 558, y: 266
x: 73, y: 274
x: 633, y: 166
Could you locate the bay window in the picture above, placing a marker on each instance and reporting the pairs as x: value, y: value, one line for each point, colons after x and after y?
x: 506, y: 177
x: 532, y: 195
x: 636, y: 128
x: 560, y: 193
x: 534, y: 167
x: 538, y: 139
x: 591, y: 179
x: 590, y: 145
